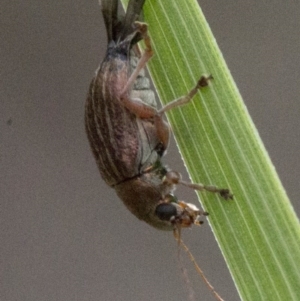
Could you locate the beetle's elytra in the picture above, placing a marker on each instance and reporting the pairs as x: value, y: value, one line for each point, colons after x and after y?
x: 126, y: 131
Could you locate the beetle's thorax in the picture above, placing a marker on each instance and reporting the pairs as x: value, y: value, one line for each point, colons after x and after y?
x: 142, y: 194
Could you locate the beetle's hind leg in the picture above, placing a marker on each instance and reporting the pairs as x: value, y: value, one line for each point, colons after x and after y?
x: 142, y: 29
x: 136, y: 106
x: 141, y: 109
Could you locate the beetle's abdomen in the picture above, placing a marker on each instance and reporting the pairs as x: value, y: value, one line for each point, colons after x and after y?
x: 112, y: 130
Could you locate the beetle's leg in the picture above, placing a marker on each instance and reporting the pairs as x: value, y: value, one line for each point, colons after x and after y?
x: 202, y: 82
x: 224, y: 192
x: 145, y: 111
x: 161, y: 126
x: 142, y: 28
x: 135, y: 105
x: 173, y: 177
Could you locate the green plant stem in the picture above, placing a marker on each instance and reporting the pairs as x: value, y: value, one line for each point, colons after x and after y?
x: 258, y: 232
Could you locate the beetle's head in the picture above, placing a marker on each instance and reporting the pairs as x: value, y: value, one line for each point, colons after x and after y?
x: 179, y: 213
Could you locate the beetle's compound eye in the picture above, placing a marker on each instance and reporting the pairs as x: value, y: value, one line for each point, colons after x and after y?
x: 165, y: 211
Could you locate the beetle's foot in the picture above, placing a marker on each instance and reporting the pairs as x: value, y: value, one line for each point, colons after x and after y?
x: 204, y: 80
x: 226, y: 194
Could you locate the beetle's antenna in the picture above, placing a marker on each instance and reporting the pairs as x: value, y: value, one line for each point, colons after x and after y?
x: 177, y: 235
x: 193, y: 260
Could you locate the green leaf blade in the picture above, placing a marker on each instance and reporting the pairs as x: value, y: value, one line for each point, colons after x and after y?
x: 258, y: 232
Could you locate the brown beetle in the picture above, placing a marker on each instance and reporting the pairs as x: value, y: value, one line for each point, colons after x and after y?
x: 126, y: 131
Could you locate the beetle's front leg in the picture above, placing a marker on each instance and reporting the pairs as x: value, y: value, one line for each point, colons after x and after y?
x: 174, y: 178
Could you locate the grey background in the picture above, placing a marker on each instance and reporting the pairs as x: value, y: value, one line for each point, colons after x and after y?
x: 64, y: 234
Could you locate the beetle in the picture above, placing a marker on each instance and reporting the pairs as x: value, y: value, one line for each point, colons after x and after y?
x: 126, y: 131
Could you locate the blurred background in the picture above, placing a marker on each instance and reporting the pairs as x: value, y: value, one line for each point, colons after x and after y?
x: 64, y: 234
